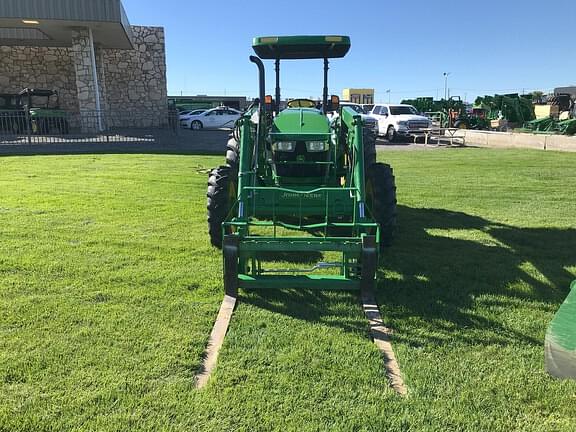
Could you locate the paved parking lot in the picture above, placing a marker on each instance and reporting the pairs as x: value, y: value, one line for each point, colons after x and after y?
x: 183, y: 142
x: 160, y: 142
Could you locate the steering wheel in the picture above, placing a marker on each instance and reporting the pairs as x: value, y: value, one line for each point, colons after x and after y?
x: 301, y: 103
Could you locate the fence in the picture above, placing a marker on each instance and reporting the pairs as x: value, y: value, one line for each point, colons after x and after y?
x: 53, y: 126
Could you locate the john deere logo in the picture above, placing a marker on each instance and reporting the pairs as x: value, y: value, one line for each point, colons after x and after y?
x: 292, y: 195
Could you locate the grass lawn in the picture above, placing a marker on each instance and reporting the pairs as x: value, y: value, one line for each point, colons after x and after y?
x: 109, y: 289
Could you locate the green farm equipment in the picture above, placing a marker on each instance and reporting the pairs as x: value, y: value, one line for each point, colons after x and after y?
x: 514, y: 109
x: 298, y: 183
x: 560, y: 341
x: 549, y: 125
x: 43, y: 110
x: 451, y: 113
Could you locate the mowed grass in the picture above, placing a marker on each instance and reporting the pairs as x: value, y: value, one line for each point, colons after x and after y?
x: 109, y: 289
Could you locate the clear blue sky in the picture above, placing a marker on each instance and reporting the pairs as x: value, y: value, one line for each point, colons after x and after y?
x: 487, y: 46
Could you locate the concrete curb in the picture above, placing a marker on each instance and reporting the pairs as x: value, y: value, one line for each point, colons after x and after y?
x: 519, y: 140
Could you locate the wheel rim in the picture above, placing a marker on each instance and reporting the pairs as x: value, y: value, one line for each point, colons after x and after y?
x: 390, y: 133
x: 196, y: 125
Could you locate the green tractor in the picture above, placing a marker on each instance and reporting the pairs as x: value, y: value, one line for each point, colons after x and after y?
x: 297, y: 181
x: 45, y: 115
x: 300, y: 183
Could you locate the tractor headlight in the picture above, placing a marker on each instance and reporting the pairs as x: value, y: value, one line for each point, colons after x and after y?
x: 284, y: 146
x: 316, y: 146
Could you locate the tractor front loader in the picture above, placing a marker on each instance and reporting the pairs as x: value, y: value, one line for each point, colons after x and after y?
x: 298, y: 183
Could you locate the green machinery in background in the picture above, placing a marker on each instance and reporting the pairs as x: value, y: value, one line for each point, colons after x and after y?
x: 296, y: 183
x: 562, y: 122
x: 560, y: 341
x: 514, y: 109
x: 549, y: 125
x: 43, y: 112
x: 451, y: 113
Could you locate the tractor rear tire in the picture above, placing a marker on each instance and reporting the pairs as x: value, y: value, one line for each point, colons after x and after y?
x: 221, y: 194
x: 381, y: 197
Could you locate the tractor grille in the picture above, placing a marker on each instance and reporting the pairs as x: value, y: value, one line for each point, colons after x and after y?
x: 417, y: 124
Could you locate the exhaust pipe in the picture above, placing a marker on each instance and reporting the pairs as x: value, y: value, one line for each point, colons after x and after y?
x: 262, y: 83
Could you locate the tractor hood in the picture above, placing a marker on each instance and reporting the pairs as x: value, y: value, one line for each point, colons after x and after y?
x: 300, y: 124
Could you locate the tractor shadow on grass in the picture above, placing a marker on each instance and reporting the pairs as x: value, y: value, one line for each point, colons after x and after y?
x: 327, y: 308
x: 444, y: 272
x: 447, y: 269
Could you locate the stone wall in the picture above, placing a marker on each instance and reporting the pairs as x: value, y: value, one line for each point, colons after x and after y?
x: 132, y: 82
x: 46, y: 68
x: 136, y: 80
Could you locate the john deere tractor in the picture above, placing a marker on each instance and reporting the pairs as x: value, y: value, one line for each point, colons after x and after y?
x: 296, y: 182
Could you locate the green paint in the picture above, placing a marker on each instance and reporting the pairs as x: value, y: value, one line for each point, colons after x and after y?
x: 562, y: 329
x: 295, y: 122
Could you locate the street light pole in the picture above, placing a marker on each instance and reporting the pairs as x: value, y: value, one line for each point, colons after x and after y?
x: 388, y: 91
x: 446, y: 85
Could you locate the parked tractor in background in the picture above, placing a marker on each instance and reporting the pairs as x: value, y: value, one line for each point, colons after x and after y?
x: 42, y: 108
x: 451, y: 113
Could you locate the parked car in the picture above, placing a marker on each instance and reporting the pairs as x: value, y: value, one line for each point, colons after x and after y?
x: 184, y: 115
x: 221, y: 117
x: 370, y: 122
x: 400, y: 120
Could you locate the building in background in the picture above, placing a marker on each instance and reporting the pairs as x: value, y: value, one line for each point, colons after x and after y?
x: 358, y: 95
x: 106, y: 72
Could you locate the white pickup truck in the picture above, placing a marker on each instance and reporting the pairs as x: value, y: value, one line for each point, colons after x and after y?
x: 398, y: 120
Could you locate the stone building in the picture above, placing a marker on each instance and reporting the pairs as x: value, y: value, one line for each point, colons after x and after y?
x: 107, y: 72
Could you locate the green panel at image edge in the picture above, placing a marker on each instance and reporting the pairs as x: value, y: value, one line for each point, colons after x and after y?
x: 562, y: 329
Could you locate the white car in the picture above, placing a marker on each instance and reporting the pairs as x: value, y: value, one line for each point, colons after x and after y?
x: 186, y: 114
x: 221, y: 117
x: 398, y: 120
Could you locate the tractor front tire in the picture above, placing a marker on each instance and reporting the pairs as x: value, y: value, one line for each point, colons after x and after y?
x: 222, y: 187
x: 381, y: 197
x: 369, y: 140
x: 233, y: 154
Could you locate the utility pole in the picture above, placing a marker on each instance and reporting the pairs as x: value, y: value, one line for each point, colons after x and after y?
x: 446, y: 85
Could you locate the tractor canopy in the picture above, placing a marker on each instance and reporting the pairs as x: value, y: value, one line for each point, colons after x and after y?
x: 301, y: 47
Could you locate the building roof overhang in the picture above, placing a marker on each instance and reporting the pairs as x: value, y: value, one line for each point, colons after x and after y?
x: 49, y: 23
